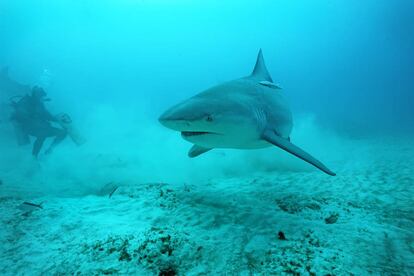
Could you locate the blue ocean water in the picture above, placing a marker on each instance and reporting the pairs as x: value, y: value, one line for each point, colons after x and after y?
x: 346, y: 69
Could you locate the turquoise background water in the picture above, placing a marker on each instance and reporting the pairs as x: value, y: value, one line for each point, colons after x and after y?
x: 346, y: 67
x: 347, y: 62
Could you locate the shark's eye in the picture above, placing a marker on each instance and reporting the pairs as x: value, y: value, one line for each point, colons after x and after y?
x: 209, y: 118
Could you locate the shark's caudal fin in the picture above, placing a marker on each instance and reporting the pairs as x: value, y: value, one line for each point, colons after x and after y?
x: 284, y: 144
x: 260, y: 72
x: 197, y: 150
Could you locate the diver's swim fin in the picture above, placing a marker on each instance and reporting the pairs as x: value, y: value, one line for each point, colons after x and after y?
x: 197, y: 150
x: 65, y: 122
x: 271, y: 137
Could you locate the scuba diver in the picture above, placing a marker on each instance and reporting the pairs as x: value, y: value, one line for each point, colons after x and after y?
x: 31, y: 118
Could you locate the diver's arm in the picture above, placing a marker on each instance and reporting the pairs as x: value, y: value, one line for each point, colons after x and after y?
x: 47, y: 115
x: 52, y: 118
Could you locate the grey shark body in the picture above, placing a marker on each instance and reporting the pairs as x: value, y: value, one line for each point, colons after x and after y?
x: 10, y: 87
x: 247, y: 113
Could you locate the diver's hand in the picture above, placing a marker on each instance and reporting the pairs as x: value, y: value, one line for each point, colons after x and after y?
x: 65, y: 118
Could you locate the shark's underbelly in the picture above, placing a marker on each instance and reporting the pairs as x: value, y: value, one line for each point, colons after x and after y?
x: 212, y: 140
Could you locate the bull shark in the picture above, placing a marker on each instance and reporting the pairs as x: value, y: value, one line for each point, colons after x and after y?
x: 10, y: 87
x: 246, y: 113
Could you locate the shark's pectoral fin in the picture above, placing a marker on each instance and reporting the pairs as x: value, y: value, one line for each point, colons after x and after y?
x: 197, y: 150
x: 271, y: 137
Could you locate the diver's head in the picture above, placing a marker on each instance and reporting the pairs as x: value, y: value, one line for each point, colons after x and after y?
x: 39, y: 93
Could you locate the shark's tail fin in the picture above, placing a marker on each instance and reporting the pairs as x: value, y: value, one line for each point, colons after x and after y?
x: 260, y: 71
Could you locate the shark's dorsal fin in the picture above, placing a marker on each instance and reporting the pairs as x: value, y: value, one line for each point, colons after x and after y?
x: 260, y: 72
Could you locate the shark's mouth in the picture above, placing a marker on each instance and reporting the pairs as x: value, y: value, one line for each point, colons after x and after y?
x: 195, y: 133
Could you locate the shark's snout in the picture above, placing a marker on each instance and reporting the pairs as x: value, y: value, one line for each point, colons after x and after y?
x: 164, y: 118
x: 183, y: 116
x: 173, y: 120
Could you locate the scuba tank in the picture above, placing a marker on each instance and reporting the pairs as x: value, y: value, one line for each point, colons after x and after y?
x: 66, y: 122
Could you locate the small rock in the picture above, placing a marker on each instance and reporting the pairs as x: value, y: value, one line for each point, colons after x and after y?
x: 332, y: 218
x: 281, y: 236
x: 124, y: 256
x: 167, y: 272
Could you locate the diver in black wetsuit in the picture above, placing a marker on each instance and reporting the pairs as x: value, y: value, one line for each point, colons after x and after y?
x: 31, y: 118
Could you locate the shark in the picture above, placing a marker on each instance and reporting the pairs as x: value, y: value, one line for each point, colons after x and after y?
x: 246, y: 113
x: 10, y: 87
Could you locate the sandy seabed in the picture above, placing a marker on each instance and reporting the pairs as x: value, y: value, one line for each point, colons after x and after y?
x: 360, y: 222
